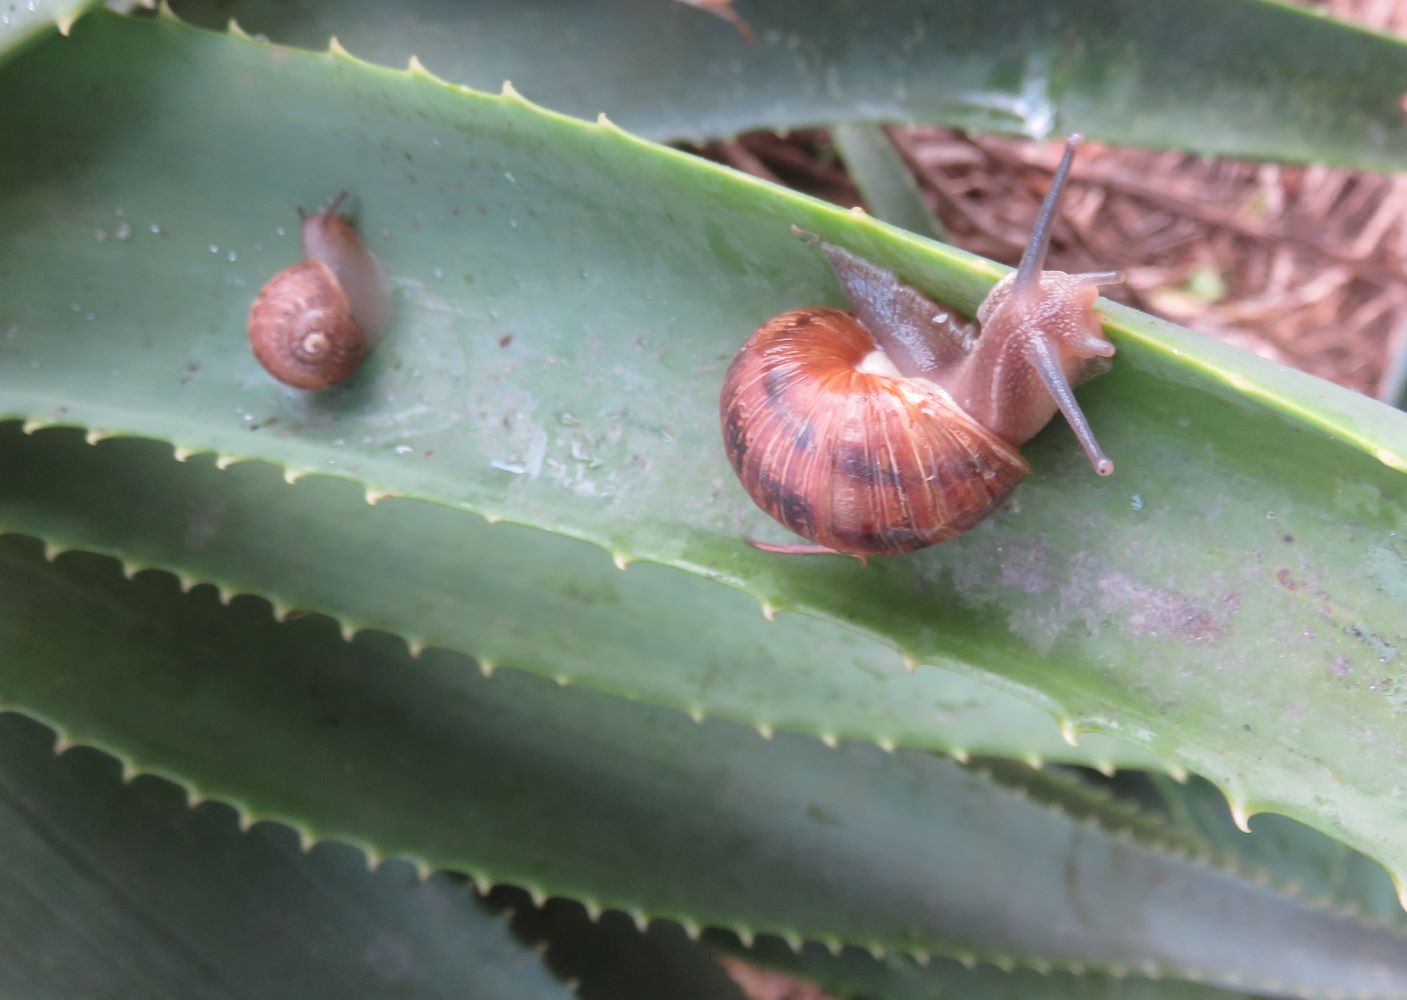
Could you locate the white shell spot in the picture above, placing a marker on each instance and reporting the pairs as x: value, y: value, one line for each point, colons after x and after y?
x: 878, y: 363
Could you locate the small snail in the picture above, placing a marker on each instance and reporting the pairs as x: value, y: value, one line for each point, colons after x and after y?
x: 314, y: 322
x: 896, y: 427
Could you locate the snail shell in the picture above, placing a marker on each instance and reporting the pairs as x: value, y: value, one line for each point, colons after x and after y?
x: 897, y: 427
x: 313, y: 323
x: 850, y: 455
x: 301, y: 328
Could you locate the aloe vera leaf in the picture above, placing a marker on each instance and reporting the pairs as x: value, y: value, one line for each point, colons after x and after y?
x: 611, y: 959
x: 855, y: 975
x: 1229, y: 600
x: 1251, y: 78
x: 601, y: 952
x: 1324, y: 868
x: 884, y: 179
x: 440, y: 578
x: 25, y: 21
x: 568, y: 792
x: 114, y: 890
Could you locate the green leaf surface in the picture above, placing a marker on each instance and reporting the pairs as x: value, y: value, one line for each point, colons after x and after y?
x: 569, y: 792
x: 23, y: 22
x: 119, y: 891
x: 566, y: 300
x: 884, y: 179
x: 1253, y: 78
x: 443, y: 579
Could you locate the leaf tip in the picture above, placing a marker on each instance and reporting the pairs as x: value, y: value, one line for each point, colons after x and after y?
x: 769, y: 610
x: 232, y: 27
x: 959, y: 754
x: 335, y: 48
x: 30, y: 426
x: 764, y: 730
x: 621, y: 560
x: 1239, y: 814
x: 696, y: 713
x: 1067, y: 732
x: 417, y: 68
x: 910, y: 662
x: 487, y: 667
x: 375, y: 496
x: 95, y: 435
x: 830, y: 740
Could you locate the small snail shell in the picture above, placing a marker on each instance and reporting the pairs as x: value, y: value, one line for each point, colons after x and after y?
x: 313, y: 323
x: 897, y: 427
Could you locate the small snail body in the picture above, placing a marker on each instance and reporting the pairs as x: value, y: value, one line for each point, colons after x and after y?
x: 313, y: 323
x: 897, y: 427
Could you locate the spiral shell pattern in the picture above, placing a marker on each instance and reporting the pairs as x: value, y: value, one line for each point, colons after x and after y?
x: 858, y: 460
x: 301, y: 328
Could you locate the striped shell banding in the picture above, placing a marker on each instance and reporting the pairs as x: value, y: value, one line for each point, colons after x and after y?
x: 855, y: 460
x: 894, y: 426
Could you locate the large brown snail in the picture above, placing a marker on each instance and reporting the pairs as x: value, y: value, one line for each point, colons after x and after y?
x: 313, y: 323
x: 897, y: 426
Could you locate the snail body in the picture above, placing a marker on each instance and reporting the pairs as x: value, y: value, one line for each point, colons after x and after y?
x: 313, y: 323
x: 895, y: 426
